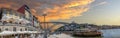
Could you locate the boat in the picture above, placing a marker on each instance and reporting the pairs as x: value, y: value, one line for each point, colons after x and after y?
x: 87, y: 33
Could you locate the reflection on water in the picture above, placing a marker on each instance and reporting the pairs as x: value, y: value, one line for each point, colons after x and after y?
x: 111, y: 33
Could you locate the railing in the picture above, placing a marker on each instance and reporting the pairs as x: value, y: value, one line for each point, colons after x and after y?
x: 16, y: 24
x: 20, y: 25
x: 17, y: 32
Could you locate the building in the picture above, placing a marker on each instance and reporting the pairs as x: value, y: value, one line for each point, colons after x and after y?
x: 70, y: 27
x: 18, y: 20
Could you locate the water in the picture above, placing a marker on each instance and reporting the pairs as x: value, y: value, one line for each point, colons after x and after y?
x: 111, y: 33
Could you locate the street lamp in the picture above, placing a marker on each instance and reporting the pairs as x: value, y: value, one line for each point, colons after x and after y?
x: 45, y: 29
x: 44, y: 20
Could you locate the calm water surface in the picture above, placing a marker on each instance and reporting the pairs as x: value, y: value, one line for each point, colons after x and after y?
x: 111, y: 33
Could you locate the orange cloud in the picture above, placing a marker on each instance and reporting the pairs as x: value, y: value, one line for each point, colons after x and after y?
x: 78, y: 3
x: 70, y: 9
x: 6, y: 5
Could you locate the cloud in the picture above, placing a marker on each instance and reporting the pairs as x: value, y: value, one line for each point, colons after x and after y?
x: 55, y: 9
x: 102, y: 3
x: 6, y: 5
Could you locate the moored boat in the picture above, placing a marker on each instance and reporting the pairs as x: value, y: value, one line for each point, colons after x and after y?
x: 87, y: 34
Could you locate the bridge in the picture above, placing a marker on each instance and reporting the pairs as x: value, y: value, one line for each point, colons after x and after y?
x: 48, y: 24
x: 56, y: 22
x: 64, y: 26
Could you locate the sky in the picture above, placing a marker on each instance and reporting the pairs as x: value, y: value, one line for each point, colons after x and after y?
x: 81, y: 11
x: 101, y: 12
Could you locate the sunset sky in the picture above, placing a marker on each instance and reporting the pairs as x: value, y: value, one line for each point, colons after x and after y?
x: 100, y: 12
x: 81, y: 11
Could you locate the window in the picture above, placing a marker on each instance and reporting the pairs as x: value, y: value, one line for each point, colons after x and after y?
x: 25, y: 29
x: 14, y: 28
x: 30, y: 29
x: 20, y: 29
x: 0, y: 30
x: 6, y: 29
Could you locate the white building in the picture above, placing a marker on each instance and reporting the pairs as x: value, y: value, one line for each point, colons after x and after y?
x: 20, y: 20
